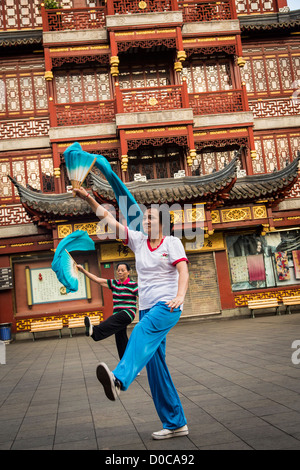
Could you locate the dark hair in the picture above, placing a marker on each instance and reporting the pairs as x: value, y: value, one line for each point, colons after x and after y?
x: 125, y: 264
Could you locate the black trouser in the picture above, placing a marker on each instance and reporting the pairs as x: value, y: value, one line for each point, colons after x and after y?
x: 115, y: 325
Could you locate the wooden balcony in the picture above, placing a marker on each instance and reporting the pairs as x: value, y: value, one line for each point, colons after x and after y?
x: 74, y: 114
x: 276, y: 107
x: 122, y: 7
x: 195, y: 11
x: 72, y: 19
x: 145, y: 100
x: 135, y: 100
x: 26, y: 14
x: 218, y: 102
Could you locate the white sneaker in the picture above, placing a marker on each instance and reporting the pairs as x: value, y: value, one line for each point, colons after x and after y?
x: 168, y: 433
x: 111, y: 384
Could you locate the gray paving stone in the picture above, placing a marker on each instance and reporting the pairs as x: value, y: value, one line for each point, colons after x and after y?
x: 235, y: 378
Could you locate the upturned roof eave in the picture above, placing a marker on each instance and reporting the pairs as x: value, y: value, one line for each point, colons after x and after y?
x: 221, y: 185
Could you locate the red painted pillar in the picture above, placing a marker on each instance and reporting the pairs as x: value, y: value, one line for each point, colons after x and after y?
x: 44, y: 17
x: 110, y: 7
x: 6, y: 298
x: 226, y: 294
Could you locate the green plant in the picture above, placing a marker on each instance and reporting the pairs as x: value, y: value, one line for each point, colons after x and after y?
x: 51, y: 4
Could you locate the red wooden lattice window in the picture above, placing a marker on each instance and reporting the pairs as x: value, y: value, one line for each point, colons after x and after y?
x: 22, y: 89
x: 82, y: 85
x: 271, y: 70
x: 275, y: 150
x: 20, y: 14
x: 35, y: 170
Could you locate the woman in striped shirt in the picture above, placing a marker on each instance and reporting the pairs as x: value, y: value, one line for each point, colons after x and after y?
x: 124, y: 292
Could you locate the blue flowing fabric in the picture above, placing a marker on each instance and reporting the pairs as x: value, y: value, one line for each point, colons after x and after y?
x: 79, y: 240
x: 126, y: 202
x: 76, y: 241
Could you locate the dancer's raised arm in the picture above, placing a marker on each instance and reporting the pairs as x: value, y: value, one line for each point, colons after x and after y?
x: 102, y: 213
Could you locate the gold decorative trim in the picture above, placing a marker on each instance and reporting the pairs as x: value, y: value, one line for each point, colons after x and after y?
x: 48, y: 75
x: 22, y: 244
x: 178, y: 66
x: 64, y: 230
x: 24, y: 324
x: 241, y: 61
x: 196, y: 214
x: 153, y: 101
x: 236, y: 214
x: 259, y: 212
x: 89, y: 227
x: 215, y: 217
x: 241, y: 300
x: 177, y: 217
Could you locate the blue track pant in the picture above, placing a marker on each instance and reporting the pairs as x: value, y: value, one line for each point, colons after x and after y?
x: 147, y: 347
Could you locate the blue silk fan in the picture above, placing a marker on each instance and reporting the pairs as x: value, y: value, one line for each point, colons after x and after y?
x: 78, y: 167
x: 64, y: 266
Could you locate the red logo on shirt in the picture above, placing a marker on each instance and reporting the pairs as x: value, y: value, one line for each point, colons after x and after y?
x: 164, y: 256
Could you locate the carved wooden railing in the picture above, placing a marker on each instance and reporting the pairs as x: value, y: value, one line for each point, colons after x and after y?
x: 207, y: 10
x: 217, y: 102
x: 121, y: 7
x: 24, y: 128
x: 136, y: 100
x: 94, y: 112
x: 73, y: 18
x: 267, y: 108
x: 162, y: 98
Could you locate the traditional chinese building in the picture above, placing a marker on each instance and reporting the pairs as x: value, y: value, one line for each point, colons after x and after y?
x: 194, y: 103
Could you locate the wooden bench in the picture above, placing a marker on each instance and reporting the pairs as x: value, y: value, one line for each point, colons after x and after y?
x: 48, y: 325
x: 289, y: 301
x: 263, y: 304
x: 79, y: 322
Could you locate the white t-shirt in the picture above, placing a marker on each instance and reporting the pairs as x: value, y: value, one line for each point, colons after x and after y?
x: 156, y: 268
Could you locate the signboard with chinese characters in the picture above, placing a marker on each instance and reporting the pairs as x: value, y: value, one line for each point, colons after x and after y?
x: 46, y: 288
x: 214, y: 242
x: 115, y: 252
x: 6, y: 281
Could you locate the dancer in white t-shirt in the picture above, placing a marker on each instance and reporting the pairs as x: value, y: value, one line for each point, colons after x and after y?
x: 161, y: 264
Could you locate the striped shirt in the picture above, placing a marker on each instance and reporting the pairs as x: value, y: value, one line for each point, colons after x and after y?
x: 124, y: 296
